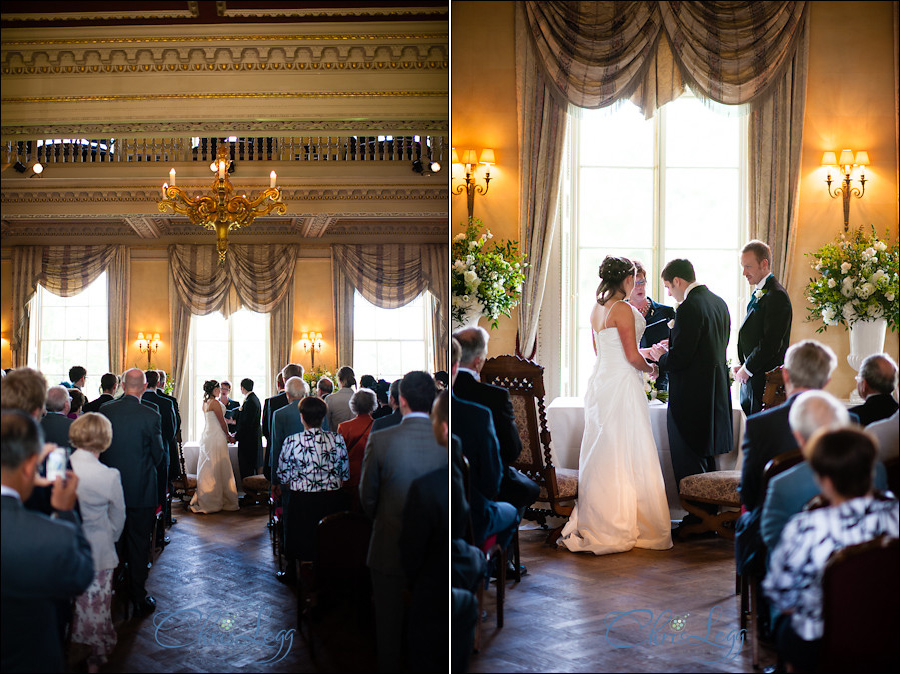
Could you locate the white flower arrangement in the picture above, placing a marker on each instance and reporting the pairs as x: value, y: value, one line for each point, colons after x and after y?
x: 858, y: 280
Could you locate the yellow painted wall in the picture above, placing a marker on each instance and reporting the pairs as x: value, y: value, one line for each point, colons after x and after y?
x: 313, y: 310
x: 483, y: 105
x: 849, y: 104
x: 6, y: 293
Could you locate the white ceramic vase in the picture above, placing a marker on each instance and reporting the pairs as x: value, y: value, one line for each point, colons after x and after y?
x: 866, y: 338
x: 473, y: 310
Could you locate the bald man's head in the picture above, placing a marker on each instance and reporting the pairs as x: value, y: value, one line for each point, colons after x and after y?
x: 134, y: 382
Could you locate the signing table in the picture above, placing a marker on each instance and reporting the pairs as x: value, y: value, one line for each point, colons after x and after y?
x: 565, y: 417
x: 191, y: 452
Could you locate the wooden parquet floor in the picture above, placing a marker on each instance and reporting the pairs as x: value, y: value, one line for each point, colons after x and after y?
x: 221, y: 609
x: 613, y: 613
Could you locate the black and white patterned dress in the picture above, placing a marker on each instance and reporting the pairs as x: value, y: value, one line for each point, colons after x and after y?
x: 794, y: 581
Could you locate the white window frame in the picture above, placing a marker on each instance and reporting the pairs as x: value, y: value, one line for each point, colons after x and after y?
x: 570, y: 371
x: 427, y: 331
x: 35, y: 340
x: 193, y: 393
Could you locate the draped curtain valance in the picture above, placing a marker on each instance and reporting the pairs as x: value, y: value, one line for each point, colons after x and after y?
x: 594, y: 54
x: 67, y: 271
x: 389, y: 276
x: 258, y: 277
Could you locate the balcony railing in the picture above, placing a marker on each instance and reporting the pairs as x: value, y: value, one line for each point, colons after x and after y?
x: 383, y: 148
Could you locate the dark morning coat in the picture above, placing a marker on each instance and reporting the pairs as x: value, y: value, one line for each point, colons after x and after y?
x: 699, y: 395
x: 762, y: 340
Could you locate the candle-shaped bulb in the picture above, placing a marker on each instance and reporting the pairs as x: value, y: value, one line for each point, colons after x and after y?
x: 172, y: 177
x: 272, y: 177
x: 222, y: 170
x: 164, y: 188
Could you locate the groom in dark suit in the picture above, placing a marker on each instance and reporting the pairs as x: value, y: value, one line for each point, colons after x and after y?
x: 699, y: 417
x: 247, y: 431
x: 766, y: 329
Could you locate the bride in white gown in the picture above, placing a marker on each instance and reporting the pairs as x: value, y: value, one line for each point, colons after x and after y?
x: 621, y: 494
x: 215, y: 478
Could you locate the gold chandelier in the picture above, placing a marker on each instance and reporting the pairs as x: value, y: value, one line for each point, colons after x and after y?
x: 221, y: 212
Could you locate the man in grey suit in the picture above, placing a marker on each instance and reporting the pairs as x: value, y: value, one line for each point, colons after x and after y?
x: 44, y: 562
x: 137, y: 449
x: 55, y: 423
x: 394, y: 458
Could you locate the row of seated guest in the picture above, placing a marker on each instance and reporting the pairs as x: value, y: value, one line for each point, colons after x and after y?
x: 807, y: 369
x: 490, y: 441
x: 842, y: 461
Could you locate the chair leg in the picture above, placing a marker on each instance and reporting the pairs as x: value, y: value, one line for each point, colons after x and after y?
x: 517, y: 571
x: 753, y: 586
x: 501, y: 587
x: 479, y: 597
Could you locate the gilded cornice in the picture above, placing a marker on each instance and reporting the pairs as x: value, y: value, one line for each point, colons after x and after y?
x: 217, y: 128
x: 298, y: 193
x: 192, y: 11
x: 225, y: 95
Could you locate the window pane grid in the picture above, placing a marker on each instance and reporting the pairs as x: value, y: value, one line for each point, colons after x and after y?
x: 672, y: 186
x: 388, y: 343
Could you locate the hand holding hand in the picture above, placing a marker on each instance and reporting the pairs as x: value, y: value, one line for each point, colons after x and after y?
x: 62, y: 494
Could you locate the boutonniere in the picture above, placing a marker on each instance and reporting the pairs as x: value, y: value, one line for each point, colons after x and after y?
x: 671, y: 324
x: 759, y: 293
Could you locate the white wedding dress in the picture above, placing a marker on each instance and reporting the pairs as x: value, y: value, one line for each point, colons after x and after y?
x: 621, y: 494
x: 215, y: 478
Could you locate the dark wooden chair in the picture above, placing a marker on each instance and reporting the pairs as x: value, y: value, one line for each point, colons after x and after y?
x: 774, y: 393
x: 750, y: 584
x: 338, y: 573
x: 256, y: 489
x: 861, y: 608
x: 184, y: 485
x: 524, y: 379
x: 493, y: 554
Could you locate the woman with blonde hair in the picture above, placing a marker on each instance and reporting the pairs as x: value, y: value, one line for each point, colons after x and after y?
x: 102, y: 505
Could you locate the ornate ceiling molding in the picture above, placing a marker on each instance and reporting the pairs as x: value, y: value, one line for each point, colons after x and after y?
x: 51, y: 195
x: 192, y: 11
x: 316, y: 225
x: 224, y: 95
x: 322, y: 12
x: 209, y: 129
x: 144, y: 226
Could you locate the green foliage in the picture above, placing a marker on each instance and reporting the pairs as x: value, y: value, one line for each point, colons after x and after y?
x: 312, y: 377
x: 857, y: 281
x: 492, y: 273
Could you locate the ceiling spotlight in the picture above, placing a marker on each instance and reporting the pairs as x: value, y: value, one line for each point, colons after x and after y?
x: 425, y: 169
x: 38, y: 169
x: 416, y: 166
x: 435, y: 167
x: 20, y: 167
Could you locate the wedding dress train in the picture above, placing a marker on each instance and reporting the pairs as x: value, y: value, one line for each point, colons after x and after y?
x: 216, y: 489
x: 621, y: 494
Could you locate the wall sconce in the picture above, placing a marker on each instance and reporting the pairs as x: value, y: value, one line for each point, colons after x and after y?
x: 471, y: 187
x: 311, y: 342
x: 148, y: 345
x: 845, y: 165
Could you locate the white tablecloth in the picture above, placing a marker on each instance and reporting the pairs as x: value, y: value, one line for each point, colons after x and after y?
x: 191, y: 451
x: 565, y: 417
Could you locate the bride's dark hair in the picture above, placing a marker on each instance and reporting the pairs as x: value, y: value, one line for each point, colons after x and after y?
x: 613, y: 272
x: 208, y: 387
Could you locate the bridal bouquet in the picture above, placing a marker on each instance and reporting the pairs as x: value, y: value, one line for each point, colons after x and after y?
x: 651, y: 391
x: 857, y: 281
x: 484, y: 272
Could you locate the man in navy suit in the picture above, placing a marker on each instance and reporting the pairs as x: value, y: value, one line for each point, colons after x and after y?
x: 108, y: 384
x: 55, y: 424
x: 699, y: 416
x: 137, y: 449
x: 807, y: 366
x: 766, y: 329
x: 875, y: 382
x: 44, y: 561
x: 169, y: 424
x: 395, y: 457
